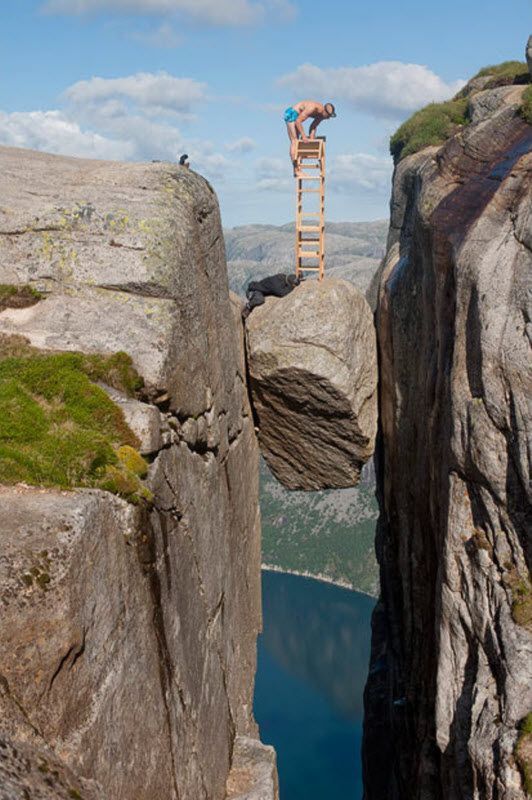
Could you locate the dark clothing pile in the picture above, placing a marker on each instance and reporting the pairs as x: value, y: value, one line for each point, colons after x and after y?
x: 274, y: 285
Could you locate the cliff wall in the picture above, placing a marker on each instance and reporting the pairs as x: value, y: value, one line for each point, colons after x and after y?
x: 127, y: 654
x: 451, y: 672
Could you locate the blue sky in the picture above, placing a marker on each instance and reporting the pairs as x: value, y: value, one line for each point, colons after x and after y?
x: 150, y: 79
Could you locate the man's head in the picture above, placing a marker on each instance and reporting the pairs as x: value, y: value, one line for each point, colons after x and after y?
x: 294, y: 280
x: 329, y: 110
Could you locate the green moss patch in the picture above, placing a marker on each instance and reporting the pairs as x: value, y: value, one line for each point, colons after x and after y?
x: 523, y: 752
x: 505, y: 74
x: 522, y: 603
x: 115, y: 370
x: 131, y: 460
x: 432, y: 125
x: 57, y: 428
x: 437, y: 122
x: 526, y: 106
x: 17, y: 296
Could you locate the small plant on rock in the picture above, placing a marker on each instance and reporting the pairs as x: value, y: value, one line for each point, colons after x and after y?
x: 526, y: 105
x: 505, y: 74
x: 523, y: 752
x: 14, y: 296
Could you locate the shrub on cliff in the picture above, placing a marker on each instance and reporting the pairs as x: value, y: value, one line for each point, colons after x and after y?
x: 432, y: 125
x: 523, y: 752
x: 437, y: 122
x: 526, y: 107
x: 57, y: 428
x: 505, y: 74
x: 12, y: 296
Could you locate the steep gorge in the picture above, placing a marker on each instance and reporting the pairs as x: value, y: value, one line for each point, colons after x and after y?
x: 128, y: 643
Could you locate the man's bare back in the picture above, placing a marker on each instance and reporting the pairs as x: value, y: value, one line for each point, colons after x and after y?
x: 296, y: 115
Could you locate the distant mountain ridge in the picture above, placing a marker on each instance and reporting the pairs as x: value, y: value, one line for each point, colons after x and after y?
x: 353, y: 251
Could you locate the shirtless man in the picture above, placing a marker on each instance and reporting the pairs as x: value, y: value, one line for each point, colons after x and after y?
x: 297, y: 114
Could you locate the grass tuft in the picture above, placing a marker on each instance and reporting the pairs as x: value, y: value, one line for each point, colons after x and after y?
x: 121, y: 481
x: 526, y: 106
x: 57, y: 428
x: 131, y: 460
x: 437, y: 122
x: 523, y: 752
x: 505, y: 74
x: 432, y: 125
x: 12, y: 296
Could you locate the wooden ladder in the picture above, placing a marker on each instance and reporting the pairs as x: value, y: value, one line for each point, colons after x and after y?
x: 310, y: 224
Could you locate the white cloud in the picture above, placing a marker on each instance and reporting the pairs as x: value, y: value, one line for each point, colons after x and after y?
x: 243, y: 145
x: 387, y: 89
x: 275, y: 175
x: 214, y: 12
x: 164, y: 36
x: 153, y: 93
x: 360, y: 171
x: 53, y: 132
x: 128, y: 118
x: 213, y: 165
x: 272, y: 167
x: 346, y: 173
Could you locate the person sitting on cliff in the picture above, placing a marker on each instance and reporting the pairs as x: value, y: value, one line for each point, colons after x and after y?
x: 295, y: 116
x: 278, y: 285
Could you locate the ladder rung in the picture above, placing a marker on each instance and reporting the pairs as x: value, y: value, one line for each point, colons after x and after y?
x: 311, y: 166
x: 309, y: 269
x: 310, y: 228
x: 309, y: 177
x: 309, y: 241
x: 305, y: 254
x: 311, y: 214
x: 309, y: 191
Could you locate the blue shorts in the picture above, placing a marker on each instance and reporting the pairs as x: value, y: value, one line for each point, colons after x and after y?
x: 290, y: 115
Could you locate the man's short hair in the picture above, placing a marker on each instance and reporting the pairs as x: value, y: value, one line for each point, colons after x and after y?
x: 329, y: 108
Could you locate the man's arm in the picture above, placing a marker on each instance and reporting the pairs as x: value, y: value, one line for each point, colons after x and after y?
x: 313, y: 127
x: 299, y: 124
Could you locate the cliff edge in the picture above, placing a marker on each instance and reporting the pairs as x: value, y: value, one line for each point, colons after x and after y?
x: 449, y: 695
x: 130, y: 616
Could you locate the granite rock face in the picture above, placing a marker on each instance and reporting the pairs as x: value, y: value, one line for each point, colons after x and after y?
x: 254, y: 772
x: 128, y: 254
x: 128, y: 643
x: 313, y: 372
x: 451, y: 670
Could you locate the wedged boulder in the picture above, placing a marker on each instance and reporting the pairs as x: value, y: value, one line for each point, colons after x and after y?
x: 312, y: 361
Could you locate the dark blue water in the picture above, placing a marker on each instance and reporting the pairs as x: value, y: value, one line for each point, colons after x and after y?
x: 313, y: 662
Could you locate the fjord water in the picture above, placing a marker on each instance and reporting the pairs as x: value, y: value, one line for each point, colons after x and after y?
x: 312, y: 665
